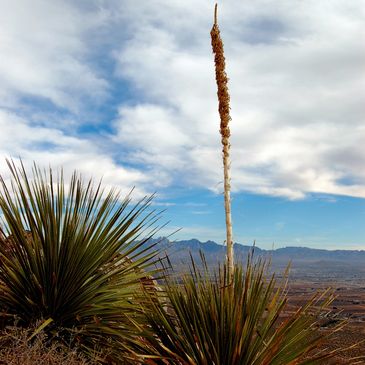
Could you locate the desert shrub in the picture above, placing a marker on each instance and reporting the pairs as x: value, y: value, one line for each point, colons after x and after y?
x: 69, y: 257
x: 17, y: 349
x: 203, y: 318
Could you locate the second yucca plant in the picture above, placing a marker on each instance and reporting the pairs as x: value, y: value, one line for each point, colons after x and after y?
x: 208, y: 318
x: 233, y: 316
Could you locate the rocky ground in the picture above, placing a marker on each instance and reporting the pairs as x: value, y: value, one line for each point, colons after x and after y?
x: 349, y: 305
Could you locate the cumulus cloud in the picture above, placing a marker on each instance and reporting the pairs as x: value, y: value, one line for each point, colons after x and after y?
x: 48, y: 82
x: 51, y: 147
x: 43, y: 53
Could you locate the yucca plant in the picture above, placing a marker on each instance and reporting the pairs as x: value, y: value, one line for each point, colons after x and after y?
x: 205, y: 318
x: 69, y: 258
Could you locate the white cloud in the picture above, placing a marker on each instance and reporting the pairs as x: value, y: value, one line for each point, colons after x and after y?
x: 50, y: 147
x: 43, y: 53
x: 296, y: 72
x: 296, y: 82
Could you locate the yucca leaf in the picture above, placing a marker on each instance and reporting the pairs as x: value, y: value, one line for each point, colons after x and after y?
x: 202, y: 318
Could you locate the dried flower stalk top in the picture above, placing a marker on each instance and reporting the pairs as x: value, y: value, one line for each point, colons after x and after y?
x: 222, y: 81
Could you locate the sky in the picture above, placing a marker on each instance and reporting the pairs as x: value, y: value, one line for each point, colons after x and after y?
x: 125, y: 90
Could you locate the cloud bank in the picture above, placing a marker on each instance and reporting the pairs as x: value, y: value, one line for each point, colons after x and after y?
x: 296, y: 81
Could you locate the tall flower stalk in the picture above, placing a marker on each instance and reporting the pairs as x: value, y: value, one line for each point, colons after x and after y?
x: 223, y: 99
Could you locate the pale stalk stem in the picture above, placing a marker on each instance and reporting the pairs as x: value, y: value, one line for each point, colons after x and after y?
x: 223, y: 99
x: 227, y: 207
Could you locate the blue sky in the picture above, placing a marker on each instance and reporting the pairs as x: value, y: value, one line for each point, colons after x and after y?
x: 125, y: 90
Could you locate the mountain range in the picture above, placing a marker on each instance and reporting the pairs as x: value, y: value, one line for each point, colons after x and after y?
x: 305, y: 262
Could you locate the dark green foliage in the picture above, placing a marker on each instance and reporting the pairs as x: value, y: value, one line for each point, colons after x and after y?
x: 202, y: 321
x: 70, y: 259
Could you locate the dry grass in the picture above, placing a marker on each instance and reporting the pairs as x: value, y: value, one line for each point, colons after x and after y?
x: 16, y: 349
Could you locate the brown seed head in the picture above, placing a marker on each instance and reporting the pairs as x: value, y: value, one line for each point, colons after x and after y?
x: 222, y: 81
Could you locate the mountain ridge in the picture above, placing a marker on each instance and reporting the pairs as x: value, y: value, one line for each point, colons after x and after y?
x: 194, y: 243
x: 181, y: 250
x: 306, y: 263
